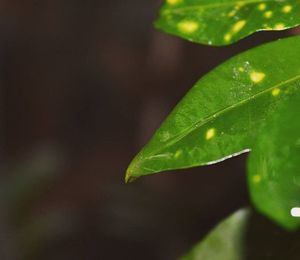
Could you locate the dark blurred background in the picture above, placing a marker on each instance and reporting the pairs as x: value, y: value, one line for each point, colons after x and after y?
x: 83, y: 86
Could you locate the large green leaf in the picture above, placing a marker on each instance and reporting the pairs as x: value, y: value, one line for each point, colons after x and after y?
x: 274, y: 168
x: 225, y: 242
x: 221, y: 22
x: 221, y: 115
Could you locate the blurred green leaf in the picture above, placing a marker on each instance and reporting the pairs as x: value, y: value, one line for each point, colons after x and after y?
x: 27, y: 179
x: 274, y: 169
x: 221, y: 22
x: 222, y: 114
x: 225, y: 242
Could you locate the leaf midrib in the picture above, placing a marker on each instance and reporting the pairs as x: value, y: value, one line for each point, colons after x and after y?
x: 213, y: 116
x: 205, y: 6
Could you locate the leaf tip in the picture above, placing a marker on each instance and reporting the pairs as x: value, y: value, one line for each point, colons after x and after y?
x: 129, y: 176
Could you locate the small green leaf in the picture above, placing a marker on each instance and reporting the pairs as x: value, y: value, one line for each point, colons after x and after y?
x: 225, y: 242
x: 274, y: 168
x: 221, y: 115
x: 221, y: 22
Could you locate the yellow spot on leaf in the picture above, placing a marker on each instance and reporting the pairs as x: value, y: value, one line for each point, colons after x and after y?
x: 188, y: 26
x: 257, y: 178
x: 210, y: 133
x: 238, y: 26
x: 268, y: 14
x: 227, y: 37
x: 257, y: 77
x: 268, y: 27
x: 262, y: 6
x: 232, y: 13
x: 178, y: 154
x: 238, y: 6
x: 173, y: 2
x: 287, y: 8
x: 279, y: 26
x: 241, y: 69
x: 276, y: 92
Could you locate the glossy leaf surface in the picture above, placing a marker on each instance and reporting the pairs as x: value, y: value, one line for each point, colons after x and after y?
x: 274, y: 165
x: 225, y: 242
x: 221, y: 22
x: 221, y: 115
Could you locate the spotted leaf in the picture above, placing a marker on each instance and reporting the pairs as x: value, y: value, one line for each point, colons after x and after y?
x: 221, y: 22
x: 226, y: 241
x: 274, y: 169
x: 222, y: 114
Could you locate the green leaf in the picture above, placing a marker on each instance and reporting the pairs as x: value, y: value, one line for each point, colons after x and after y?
x: 221, y: 22
x: 225, y: 242
x: 274, y: 169
x: 221, y: 115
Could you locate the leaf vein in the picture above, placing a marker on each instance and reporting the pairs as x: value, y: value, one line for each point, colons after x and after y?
x: 225, y: 110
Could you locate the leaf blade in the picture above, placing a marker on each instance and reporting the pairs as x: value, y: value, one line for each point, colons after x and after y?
x: 225, y: 241
x: 220, y: 116
x: 274, y: 171
x: 222, y: 22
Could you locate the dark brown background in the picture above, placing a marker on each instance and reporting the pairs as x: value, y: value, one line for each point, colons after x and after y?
x: 84, y: 83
